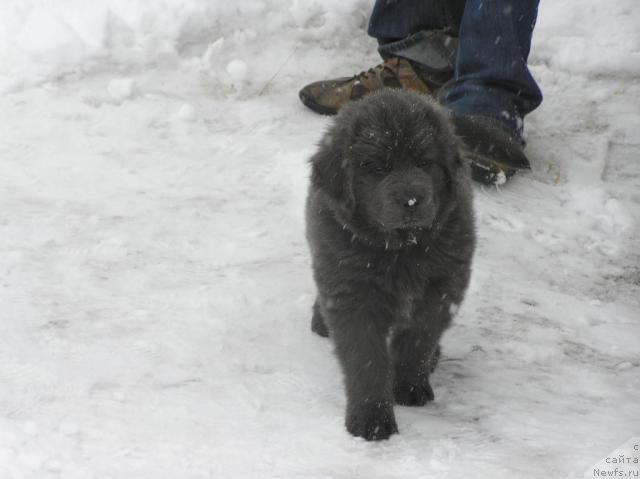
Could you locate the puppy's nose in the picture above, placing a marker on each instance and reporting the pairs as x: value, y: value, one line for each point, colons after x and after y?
x: 413, y: 200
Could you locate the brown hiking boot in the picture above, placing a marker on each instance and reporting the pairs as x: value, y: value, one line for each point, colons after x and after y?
x: 328, y: 96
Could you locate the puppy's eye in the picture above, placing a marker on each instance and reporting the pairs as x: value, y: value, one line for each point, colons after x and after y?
x: 373, y: 166
x: 427, y: 163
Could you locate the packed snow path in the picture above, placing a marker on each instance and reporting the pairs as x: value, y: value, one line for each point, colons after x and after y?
x: 155, y: 286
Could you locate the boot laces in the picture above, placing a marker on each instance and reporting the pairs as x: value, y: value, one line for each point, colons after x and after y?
x: 379, y: 68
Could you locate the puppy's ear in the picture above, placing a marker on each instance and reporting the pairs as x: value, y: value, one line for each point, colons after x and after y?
x: 332, y: 174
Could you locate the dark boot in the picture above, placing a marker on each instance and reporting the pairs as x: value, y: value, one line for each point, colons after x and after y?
x: 495, y: 152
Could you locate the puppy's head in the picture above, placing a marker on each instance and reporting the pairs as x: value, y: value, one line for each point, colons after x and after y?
x: 391, y: 162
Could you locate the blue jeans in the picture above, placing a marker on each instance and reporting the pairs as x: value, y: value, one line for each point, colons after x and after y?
x: 491, y: 77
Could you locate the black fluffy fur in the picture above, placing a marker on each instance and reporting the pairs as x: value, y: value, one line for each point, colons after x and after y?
x: 391, y: 232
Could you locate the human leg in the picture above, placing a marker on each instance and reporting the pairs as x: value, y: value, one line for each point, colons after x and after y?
x: 413, y: 59
x: 491, y: 74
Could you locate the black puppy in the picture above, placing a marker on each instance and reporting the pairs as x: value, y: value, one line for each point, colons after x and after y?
x: 390, y: 227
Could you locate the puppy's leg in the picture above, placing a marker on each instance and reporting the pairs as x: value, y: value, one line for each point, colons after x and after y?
x: 360, y: 332
x: 318, y: 325
x: 416, y: 352
x: 413, y: 350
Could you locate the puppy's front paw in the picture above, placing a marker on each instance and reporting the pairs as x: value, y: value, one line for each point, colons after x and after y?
x: 409, y: 394
x: 372, y: 421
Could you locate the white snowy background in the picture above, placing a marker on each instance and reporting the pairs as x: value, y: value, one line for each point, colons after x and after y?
x: 155, y: 286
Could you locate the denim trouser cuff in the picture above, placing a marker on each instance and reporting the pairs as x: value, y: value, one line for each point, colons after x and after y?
x: 434, y: 50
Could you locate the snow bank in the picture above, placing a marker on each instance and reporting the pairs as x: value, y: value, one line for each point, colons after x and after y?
x: 42, y: 40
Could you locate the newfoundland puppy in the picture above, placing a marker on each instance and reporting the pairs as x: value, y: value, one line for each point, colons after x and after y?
x: 391, y: 233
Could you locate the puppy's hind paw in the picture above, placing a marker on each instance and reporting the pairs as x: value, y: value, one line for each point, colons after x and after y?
x: 408, y: 394
x: 317, y: 324
x: 373, y: 422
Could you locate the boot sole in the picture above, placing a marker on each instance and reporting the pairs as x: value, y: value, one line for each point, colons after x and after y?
x: 487, y: 176
x: 310, y: 103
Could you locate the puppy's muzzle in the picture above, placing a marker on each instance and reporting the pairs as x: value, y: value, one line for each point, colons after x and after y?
x: 405, y: 200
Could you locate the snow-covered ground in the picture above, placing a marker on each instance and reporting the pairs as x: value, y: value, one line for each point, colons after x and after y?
x: 155, y: 289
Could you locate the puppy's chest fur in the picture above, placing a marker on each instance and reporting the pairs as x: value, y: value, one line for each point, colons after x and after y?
x: 405, y: 275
